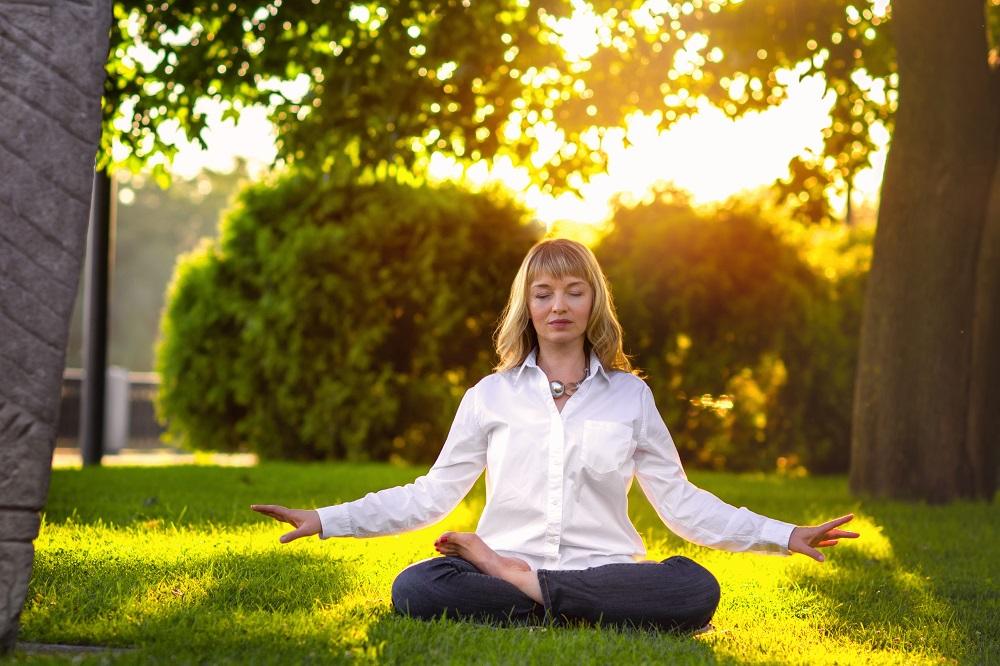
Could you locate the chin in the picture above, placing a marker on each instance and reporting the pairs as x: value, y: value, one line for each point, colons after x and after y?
x: 564, y: 338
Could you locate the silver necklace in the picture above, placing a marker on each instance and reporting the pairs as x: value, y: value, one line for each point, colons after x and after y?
x: 559, y: 389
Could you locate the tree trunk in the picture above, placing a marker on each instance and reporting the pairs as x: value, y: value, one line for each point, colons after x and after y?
x: 927, y: 394
x: 52, y: 57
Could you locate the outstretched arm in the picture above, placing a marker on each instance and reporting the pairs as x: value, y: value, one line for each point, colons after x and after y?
x: 393, y: 510
x: 703, y: 518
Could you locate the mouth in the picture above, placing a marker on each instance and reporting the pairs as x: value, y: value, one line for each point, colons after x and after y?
x: 560, y: 322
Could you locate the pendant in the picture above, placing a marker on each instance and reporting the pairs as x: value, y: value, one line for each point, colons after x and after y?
x: 557, y: 388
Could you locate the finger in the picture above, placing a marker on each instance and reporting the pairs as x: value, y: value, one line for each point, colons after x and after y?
x: 281, y: 517
x: 836, y: 522
x: 841, y: 534
x: 826, y: 544
x: 268, y: 509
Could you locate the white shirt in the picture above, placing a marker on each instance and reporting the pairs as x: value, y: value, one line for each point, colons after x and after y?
x: 557, y: 483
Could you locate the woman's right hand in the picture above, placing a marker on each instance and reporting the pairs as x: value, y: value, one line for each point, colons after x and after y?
x: 306, y: 521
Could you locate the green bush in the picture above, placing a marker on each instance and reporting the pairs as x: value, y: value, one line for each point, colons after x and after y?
x: 749, y: 349
x: 337, y: 321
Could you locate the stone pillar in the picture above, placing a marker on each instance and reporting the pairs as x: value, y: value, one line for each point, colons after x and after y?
x: 52, y: 57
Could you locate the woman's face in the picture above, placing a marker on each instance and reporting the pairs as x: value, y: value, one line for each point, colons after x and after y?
x: 560, y: 308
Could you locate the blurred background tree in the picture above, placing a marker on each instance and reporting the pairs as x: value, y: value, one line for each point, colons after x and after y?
x: 748, y: 347
x: 382, y: 86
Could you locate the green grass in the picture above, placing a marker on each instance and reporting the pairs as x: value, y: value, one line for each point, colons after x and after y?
x: 170, y: 561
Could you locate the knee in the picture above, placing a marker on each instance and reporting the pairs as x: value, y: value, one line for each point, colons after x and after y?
x: 713, y: 592
x: 704, y: 591
x: 407, y: 591
x: 413, y: 591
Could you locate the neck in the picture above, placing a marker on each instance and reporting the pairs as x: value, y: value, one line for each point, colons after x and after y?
x: 562, y: 361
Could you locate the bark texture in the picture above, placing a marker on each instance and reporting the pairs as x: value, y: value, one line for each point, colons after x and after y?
x: 926, y: 398
x: 52, y: 56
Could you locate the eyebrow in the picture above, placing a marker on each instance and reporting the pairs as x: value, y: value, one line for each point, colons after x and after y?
x: 546, y: 285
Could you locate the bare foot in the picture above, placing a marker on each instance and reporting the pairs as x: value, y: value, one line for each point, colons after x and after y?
x: 471, y: 548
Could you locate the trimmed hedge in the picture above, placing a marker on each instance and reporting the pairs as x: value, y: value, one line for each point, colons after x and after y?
x: 336, y: 321
x: 750, y: 351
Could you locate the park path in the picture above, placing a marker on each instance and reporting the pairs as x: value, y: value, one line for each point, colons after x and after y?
x: 64, y: 458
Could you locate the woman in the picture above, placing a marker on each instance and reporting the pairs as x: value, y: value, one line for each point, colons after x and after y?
x: 561, y: 428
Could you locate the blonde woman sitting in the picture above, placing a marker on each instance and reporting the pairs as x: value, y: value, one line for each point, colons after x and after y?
x: 561, y: 428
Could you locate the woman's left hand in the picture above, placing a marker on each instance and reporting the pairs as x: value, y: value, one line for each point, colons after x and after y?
x: 806, y: 539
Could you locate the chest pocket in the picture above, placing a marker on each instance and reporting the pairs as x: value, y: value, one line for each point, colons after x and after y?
x: 606, y: 445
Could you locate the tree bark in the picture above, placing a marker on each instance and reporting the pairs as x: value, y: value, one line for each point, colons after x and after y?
x: 52, y: 57
x: 927, y: 393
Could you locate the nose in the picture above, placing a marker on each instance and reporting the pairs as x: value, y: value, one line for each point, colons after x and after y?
x: 558, y: 304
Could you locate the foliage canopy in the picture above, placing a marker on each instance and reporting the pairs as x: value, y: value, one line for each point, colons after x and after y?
x: 385, y: 84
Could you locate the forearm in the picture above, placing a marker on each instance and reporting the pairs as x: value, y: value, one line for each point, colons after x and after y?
x: 701, y: 517
x: 394, y: 510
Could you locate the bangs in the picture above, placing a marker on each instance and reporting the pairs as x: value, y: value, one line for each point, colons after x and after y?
x: 560, y: 260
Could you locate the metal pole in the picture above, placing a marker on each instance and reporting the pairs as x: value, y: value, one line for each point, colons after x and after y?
x: 95, y: 321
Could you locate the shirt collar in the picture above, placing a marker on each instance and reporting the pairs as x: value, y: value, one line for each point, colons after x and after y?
x: 531, y: 361
x: 595, y: 366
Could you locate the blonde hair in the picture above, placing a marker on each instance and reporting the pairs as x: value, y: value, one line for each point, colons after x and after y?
x: 560, y: 258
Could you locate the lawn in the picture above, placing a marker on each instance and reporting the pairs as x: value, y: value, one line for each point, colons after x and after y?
x: 170, y: 562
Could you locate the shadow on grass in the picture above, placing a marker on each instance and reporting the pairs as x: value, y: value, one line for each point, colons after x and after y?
x: 924, y: 579
x: 128, y: 602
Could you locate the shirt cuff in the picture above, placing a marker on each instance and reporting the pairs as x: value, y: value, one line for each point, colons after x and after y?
x: 775, y: 535
x: 335, y: 521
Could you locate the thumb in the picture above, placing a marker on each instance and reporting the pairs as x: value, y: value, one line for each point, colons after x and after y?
x: 813, y: 553
x: 292, y: 536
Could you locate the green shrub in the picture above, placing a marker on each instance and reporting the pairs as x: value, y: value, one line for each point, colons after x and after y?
x: 337, y: 321
x: 749, y: 349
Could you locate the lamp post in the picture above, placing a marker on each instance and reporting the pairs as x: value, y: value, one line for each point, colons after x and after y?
x: 95, y: 319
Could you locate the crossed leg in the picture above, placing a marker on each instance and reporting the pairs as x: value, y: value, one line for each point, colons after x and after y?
x: 472, y: 580
x: 469, y: 547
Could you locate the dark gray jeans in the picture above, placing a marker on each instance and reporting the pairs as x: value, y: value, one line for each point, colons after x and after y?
x: 677, y: 593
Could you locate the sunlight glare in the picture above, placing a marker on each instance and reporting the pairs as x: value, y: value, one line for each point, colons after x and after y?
x: 709, y: 155
x: 250, y: 139
x: 581, y: 33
